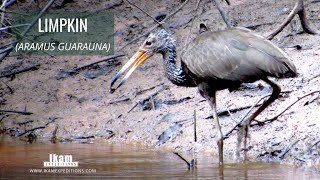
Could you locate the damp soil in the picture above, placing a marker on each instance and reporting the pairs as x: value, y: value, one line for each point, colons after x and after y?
x: 148, y: 109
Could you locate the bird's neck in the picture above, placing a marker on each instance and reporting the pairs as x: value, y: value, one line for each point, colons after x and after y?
x: 177, y: 75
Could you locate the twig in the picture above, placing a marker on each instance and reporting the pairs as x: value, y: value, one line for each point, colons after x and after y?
x: 30, y: 130
x: 32, y: 68
x: 232, y: 110
x: 133, y: 107
x: 156, y: 26
x: 9, y: 27
x: 26, y: 122
x: 307, y: 151
x: 147, y: 89
x: 3, y: 7
x: 8, y: 3
x: 314, y: 1
x: 91, y: 64
x: 259, y: 123
x: 67, y: 73
x: 281, y: 156
x: 10, y: 89
x: 150, y: 96
x: 299, y: 159
x: 222, y: 13
x: 251, y: 107
x: 314, y: 144
x: 144, y: 12
x: 298, y: 9
x: 254, y: 26
x: 239, y: 123
x: 189, y: 164
x: 5, y: 11
x: 2, y: 118
x: 28, y: 28
x: 195, y: 125
x: 119, y: 100
x: 315, y: 76
x: 18, y: 112
x: 40, y: 127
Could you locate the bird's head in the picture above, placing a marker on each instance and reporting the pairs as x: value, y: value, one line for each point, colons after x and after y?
x: 158, y: 42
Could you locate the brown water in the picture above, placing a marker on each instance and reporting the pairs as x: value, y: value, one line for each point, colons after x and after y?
x: 18, y: 159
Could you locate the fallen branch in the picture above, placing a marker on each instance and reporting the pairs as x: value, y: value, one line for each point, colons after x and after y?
x: 240, y: 122
x: 260, y: 123
x: 15, y: 26
x: 67, y: 73
x: 299, y: 159
x: 8, y: 3
x: 222, y: 13
x: 13, y: 12
x: 225, y: 112
x: 314, y: 144
x: 150, y: 96
x: 243, y: 118
x: 2, y: 118
x: 195, y: 125
x: 315, y: 76
x: 281, y: 156
x: 10, y: 89
x: 44, y: 10
x: 314, y: 1
x: 119, y: 101
x: 147, y: 89
x: 255, y: 26
x: 31, y: 130
x: 135, y: 105
x: 91, y: 64
x: 24, y: 123
x: 300, y: 11
x: 32, y: 68
x: 18, y: 112
x: 308, y: 151
x: 40, y: 127
x: 190, y: 164
x: 3, y: 8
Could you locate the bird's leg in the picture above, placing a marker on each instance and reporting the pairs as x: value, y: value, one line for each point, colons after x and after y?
x: 212, y: 102
x: 246, y: 123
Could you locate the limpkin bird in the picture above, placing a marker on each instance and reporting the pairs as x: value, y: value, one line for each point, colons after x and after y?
x: 215, y: 61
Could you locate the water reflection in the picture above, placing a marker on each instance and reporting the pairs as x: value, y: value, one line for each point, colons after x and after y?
x: 103, y: 160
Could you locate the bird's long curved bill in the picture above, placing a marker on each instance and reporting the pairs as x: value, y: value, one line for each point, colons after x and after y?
x: 137, y: 59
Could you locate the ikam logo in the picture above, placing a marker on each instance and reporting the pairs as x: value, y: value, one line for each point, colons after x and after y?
x: 60, y: 161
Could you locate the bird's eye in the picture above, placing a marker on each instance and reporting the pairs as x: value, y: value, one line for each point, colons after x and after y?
x: 148, y: 43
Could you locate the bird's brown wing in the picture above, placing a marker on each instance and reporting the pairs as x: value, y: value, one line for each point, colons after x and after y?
x: 237, y: 55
